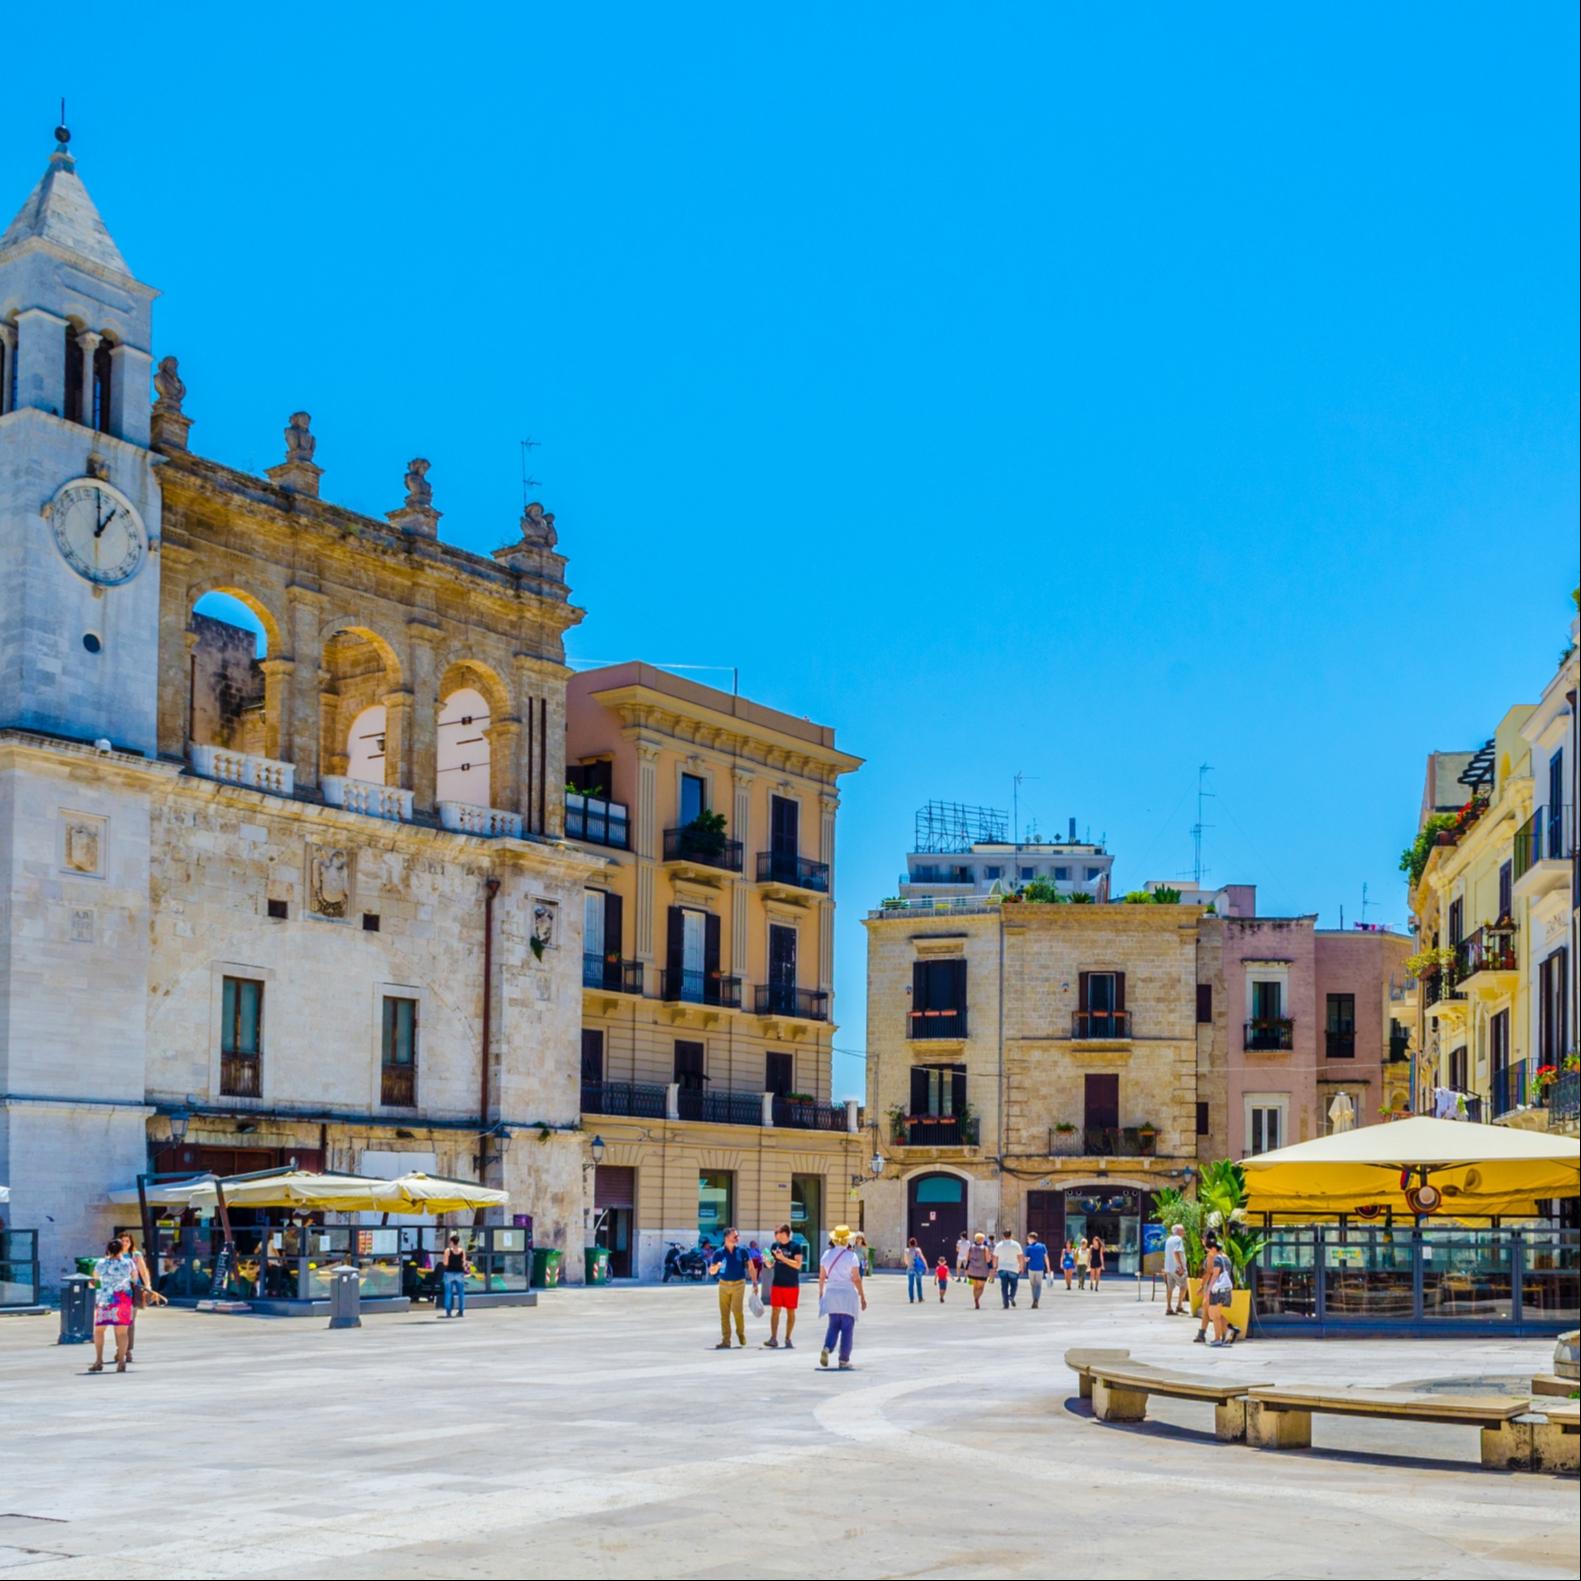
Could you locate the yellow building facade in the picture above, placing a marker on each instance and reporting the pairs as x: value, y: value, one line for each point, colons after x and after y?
x: 708, y: 964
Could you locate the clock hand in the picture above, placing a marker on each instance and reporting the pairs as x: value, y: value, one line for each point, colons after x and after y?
x: 98, y: 532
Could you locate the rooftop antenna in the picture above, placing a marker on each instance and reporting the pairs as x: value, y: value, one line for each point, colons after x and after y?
x: 1203, y: 770
x: 527, y: 482
x: 63, y: 132
x: 1364, y: 903
x: 1015, y: 805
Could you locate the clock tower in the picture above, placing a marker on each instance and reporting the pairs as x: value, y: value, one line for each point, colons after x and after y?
x: 79, y: 501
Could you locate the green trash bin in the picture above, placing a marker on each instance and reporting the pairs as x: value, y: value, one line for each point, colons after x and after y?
x: 546, y: 1268
x: 596, y: 1260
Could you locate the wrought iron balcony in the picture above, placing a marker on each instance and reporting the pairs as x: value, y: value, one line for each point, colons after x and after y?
x: 611, y: 973
x: 783, y: 999
x: 795, y: 872
x: 1340, y: 1042
x: 1100, y: 1024
x: 936, y: 1130
x: 1265, y: 1034
x: 702, y: 847
x: 721, y: 1108
x: 642, y: 1101
x: 1509, y: 1088
x: 1564, y: 1100
x: 597, y: 821
x: 398, y: 1086
x: 241, y: 1076
x: 1399, y: 1046
x: 802, y: 1114
x: 936, y: 1023
x: 1440, y: 986
x: 700, y: 988
x: 1488, y: 949
x: 1543, y: 838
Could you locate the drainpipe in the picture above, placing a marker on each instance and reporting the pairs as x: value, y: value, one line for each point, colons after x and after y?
x: 491, y: 887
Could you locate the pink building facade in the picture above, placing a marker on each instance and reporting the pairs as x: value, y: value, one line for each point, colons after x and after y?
x: 1307, y: 1022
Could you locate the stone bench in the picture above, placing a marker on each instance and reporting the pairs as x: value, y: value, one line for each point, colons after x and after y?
x: 1556, y: 1435
x: 1551, y: 1383
x: 1120, y: 1392
x: 1082, y: 1360
x: 1282, y: 1418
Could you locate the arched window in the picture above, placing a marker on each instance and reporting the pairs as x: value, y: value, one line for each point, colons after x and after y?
x: 71, y: 409
x: 463, y: 747
x: 100, y: 416
x: 365, y: 746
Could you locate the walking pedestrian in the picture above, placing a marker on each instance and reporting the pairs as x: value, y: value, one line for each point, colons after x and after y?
x: 942, y: 1274
x: 1009, y: 1263
x: 979, y: 1264
x: 1218, y: 1286
x: 113, y: 1275
x: 733, y: 1265
x: 755, y: 1252
x: 1083, y: 1252
x: 1095, y: 1261
x: 1037, y: 1265
x: 963, y: 1250
x: 840, y: 1296
x: 1067, y: 1262
x: 785, y: 1265
x: 916, y: 1270
x: 453, y: 1271
x: 143, y: 1292
x: 1175, y: 1285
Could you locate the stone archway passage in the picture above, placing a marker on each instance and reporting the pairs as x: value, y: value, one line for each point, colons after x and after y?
x: 936, y: 1214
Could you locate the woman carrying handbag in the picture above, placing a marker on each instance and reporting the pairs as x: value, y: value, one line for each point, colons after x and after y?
x: 840, y: 1296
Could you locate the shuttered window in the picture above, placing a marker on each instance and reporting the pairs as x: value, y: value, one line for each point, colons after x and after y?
x: 938, y: 998
x: 1204, y: 1003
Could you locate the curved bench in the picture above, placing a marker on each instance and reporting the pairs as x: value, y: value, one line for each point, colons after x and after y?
x: 1120, y: 1394
x: 1282, y: 1418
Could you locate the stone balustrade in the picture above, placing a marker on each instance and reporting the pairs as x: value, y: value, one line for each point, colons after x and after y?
x: 242, y: 768
x: 378, y: 801
x: 467, y: 818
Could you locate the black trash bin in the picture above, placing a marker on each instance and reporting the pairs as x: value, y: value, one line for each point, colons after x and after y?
x: 76, y: 1310
x: 345, y: 1297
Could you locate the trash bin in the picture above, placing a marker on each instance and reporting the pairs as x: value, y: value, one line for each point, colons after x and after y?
x: 596, y: 1259
x: 545, y: 1268
x: 345, y: 1297
x: 76, y: 1310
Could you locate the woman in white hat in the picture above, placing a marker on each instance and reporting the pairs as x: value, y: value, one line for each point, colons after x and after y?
x: 840, y: 1295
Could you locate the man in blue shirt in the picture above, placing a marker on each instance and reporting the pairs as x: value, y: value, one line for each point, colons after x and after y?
x: 1037, y: 1255
x: 733, y: 1267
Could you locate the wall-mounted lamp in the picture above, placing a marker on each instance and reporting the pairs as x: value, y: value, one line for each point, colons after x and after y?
x: 596, y: 1148
x: 179, y: 1122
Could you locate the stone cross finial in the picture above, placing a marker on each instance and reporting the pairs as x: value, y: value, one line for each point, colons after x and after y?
x: 169, y: 425
x: 297, y: 474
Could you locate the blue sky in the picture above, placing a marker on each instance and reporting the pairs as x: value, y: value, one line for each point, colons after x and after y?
x: 1090, y: 394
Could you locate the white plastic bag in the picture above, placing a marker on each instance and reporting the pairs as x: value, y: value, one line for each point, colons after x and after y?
x: 755, y: 1303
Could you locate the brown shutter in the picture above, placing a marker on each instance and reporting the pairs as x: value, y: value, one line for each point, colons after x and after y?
x: 675, y: 947
x: 1083, y: 991
x: 614, y: 942
x: 711, y: 985
x: 1119, y: 990
x: 919, y: 990
x: 919, y: 1089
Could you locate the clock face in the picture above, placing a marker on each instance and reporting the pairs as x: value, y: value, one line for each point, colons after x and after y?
x: 99, y: 533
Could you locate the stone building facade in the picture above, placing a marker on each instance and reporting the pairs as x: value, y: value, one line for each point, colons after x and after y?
x: 708, y: 963
x: 312, y: 898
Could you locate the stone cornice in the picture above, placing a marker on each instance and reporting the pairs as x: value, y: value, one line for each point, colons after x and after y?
x: 62, y: 753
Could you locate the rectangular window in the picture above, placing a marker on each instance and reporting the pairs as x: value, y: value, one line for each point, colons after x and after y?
x: 1062, y: 873
x: 1204, y: 1002
x: 1202, y: 1118
x: 1101, y: 1102
x: 938, y: 1091
x: 398, y: 1075
x: 779, y: 1074
x: 784, y: 827
x: 241, y: 1037
x: 991, y: 873
x: 690, y: 1059
x: 938, y: 999
x: 1268, y: 996
x: 1028, y: 872
x: 1506, y: 891
x: 1457, y: 922
x: 1340, y: 1026
x: 716, y: 1204
x: 694, y: 798
x: 592, y: 1057
x: 1264, y: 1127
x: 1093, y: 872
x: 1499, y: 1041
x: 1457, y: 1069
x: 590, y: 779
x: 1553, y: 1008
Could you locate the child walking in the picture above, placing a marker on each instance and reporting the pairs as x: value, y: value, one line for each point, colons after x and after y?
x: 942, y: 1274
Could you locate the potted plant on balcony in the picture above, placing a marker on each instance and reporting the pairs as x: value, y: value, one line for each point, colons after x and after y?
x: 705, y: 835
x: 1147, y: 1137
x: 897, y: 1124
x: 1543, y: 1079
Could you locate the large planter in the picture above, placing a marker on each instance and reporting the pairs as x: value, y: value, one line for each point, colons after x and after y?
x: 1240, y: 1305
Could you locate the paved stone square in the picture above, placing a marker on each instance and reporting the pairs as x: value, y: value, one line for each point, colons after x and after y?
x: 600, y: 1435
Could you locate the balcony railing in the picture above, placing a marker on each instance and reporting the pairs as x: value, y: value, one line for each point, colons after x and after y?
x: 1440, y: 985
x: 642, y: 1101
x: 377, y: 801
x: 782, y: 999
x: 1475, y: 1108
x: 1266, y: 1033
x: 798, y: 872
x: 492, y: 822
x: 612, y: 974
x: 1544, y: 837
x: 1100, y: 1024
x: 720, y: 1108
x: 398, y: 1086
x: 1104, y: 1141
x: 936, y: 1130
x: 936, y: 1023
x: 801, y: 1114
x: 241, y: 768
x: 1509, y: 1088
x: 241, y: 1076
x: 597, y: 821
x: 1340, y: 1042
x: 1488, y: 949
x: 700, y: 988
x: 703, y: 847
x: 1564, y: 1099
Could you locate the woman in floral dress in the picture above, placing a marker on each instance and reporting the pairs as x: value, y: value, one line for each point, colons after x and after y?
x: 113, y: 1274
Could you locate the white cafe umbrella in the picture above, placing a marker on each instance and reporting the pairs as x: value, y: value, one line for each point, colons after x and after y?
x: 5, y: 1193
x: 1342, y: 1113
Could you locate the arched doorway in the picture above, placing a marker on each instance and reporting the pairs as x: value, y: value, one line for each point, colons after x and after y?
x: 463, y: 747
x: 936, y: 1214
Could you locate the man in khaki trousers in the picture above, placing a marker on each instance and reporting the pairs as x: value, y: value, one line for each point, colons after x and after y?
x: 734, y: 1268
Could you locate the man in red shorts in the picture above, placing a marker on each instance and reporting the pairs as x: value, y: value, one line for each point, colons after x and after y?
x: 785, y: 1288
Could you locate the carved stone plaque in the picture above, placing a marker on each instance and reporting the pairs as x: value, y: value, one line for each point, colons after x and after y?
x: 82, y: 844
x: 330, y: 881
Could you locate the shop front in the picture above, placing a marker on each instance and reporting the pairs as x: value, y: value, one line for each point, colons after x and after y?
x: 1116, y: 1213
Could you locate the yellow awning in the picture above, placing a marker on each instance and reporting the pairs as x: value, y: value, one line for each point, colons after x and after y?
x: 1482, y: 1170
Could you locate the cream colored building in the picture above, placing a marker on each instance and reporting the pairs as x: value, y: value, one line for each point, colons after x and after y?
x: 708, y: 963
x: 298, y: 896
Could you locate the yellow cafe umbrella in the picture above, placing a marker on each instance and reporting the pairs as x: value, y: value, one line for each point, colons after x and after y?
x: 420, y: 1193
x: 302, y: 1189
x: 1417, y: 1165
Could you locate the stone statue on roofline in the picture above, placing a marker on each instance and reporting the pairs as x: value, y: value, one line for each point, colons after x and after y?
x: 538, y: 527
x: 298, y: 473
x: 417, y: 515
x: 533, y: 555
x: 419, y: 491
x: 299, y: 440
x: 167, y: 381
x: 169, y: 425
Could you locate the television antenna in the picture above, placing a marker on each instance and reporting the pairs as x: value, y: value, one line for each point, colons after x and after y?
x: 527, y: 482
x: 1203, y: 770
x: 1015, y: 805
